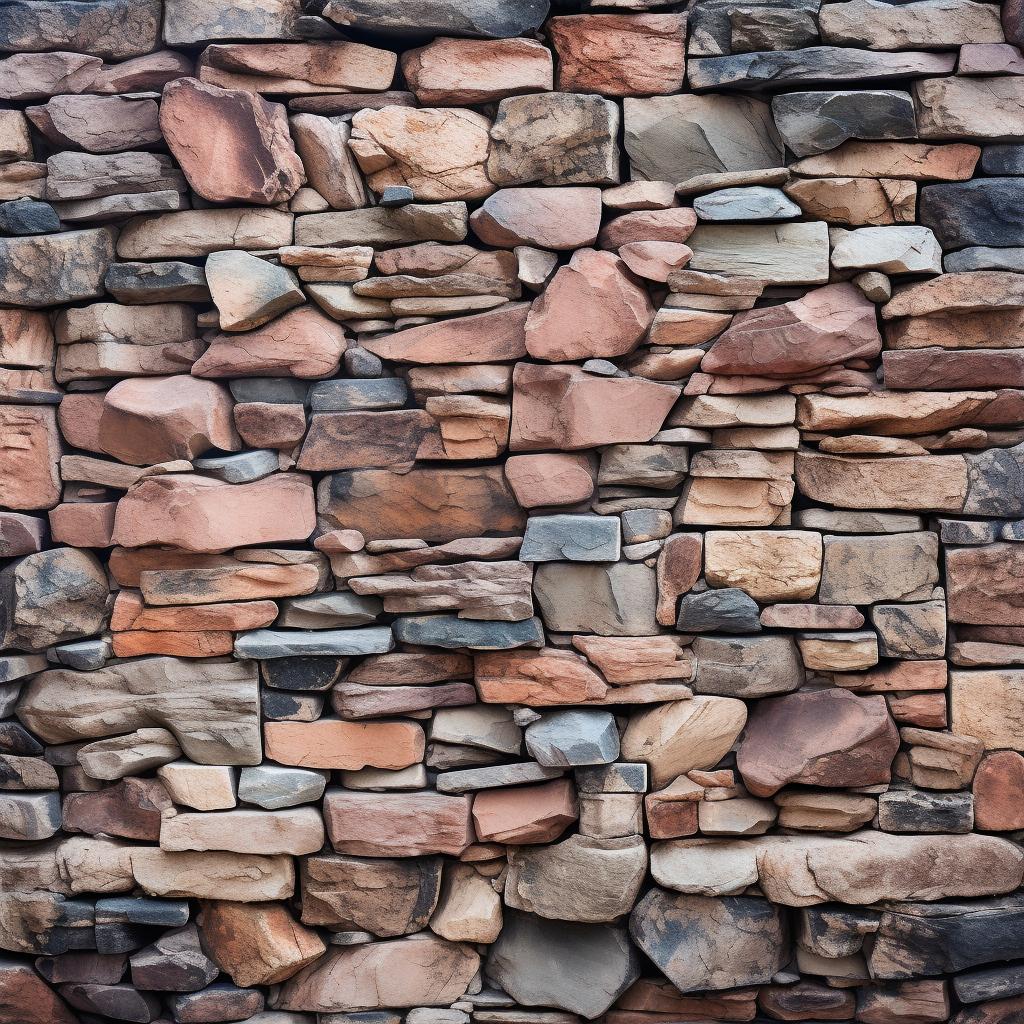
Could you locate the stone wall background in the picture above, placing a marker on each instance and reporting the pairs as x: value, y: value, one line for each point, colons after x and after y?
x: 511, y: 515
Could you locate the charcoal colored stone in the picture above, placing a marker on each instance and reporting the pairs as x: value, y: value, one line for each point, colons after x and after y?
x: 922, y: 811
x: 170, y: 281
x: 351, y: 395
x: 302, y: 673
x: 566, y: 538
x: 452, y: 632
x: 175, y: 962
x: 985, y: 211
x: 992, y: 983
x: 728, y: 610
x: 28, y: 217
x: 486, y: 19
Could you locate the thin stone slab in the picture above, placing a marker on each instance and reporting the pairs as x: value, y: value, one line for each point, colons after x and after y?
x: 279, y: 643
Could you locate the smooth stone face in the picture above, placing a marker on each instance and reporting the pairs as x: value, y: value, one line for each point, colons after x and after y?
x: 830, y: 738
x: 746, y: 667
x: 862, y: 570
x: 755, y: 203
x: 580, y: 968
x: 571, y: 538
x: 704, y: 943
x: 613, y: 600
x: 728, y: 610
x: 550, y: 218
x: 272, y: 788
x: 569, y: 738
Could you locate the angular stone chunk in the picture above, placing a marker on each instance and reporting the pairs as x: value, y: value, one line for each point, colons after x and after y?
x: 619, y: 55
x: 98, y: 124
x: 391, y: 897
x: 552, y: 218
x: 783, y: 254
x: 563, y: 407
x: 580, y: 968
x: 347, y: 746
x: 815, y: 122
x: 571, y: 538
x: 210, y: 707
x: 813, y: 65
x: 202, y: 514
x: 437, y: 505
x: 391, y: 149
x: 521, y: 815
x: 927, y: 23
x: 243, y: 152
x: 385, y: 226
x: 248, y: 291
x: 192, y: 233
x: 827, y: 738
x: 485, y: 19
x: 579, y: 879
x: 398, y: 824
x: 494, y: 336
x: 770, y: 565
x: 617, y: 599
x: 112, y: 29
x: 984, y: 108
x: 989, y: 704
x: 856, y: 200
x: 46, y: 270
x: 700, y: 942
x: 982, y: 584
x: 30, y: 451
x: 455, y: 72
x: 564, y: 739
x: 174, y: 963
x: 247, y: 878
x: 917, y: 161
x: 427, y: 971
x: 905, y: 249
x: 679, y: 736
x: 863, y: 570
x: 24, y: 995
x: 556, y: 139
x: 162, y: 419
x: 673, y: 138
x: 301, y: 343
x: 593, y: 308
x: 49, y: 597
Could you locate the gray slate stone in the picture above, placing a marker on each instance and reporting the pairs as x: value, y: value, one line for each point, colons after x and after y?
x: 610, y: 600
x: 568, y: 538
x: 397, y: 195
x: 729, y: 610
x: 171, y: 281
x: 621, y: 777
x: 450, y: 631
x: 495, y: 777
x: 992, y: 983
x: 640, y: 525
x: 272, y: 390
x: 995, y: 481
x: 815, y: 122
x: 85, y: 655
x: 815, y: 65
x: 753, y: 203
x: 488, y: 19
x: 985, y: 211
x: 241, y: 468
x: 28, y: 217
x: 1003, y: 159
x: 273, y: 787
x: 968, y: 532
x: 913, y: 810
x: 719, y: 27
x: 746, y: 666
x: 983, y: 257
x: 112, y: 29
x: 581, y: 968
x: 575, y: 737
x: 705, y: 942
x: 280, y: 643
x: 328, y: 611
x: 348, y: 395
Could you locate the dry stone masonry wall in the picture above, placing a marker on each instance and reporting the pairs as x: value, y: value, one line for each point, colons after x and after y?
x: 511, y: 513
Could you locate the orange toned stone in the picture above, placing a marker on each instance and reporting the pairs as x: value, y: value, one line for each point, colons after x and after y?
x: 999, y: 792
x: 257, y: 943
x: 300, y: 343
x: 918, y: 161
x: 83, y: 524
x: 926, y: 710
x: 231, y: 143
x: 525, y: 814
x: 265, y: 425
x: 131, y: 613
x: 673, y: 812
x: 30, y: 451
x: 78, y: 417
x: 347, y: 746
x: 494, y: 337
x: 550, y: 479
x: 398, y: 824
x: 202, y: 514
x: 537, y: 678
x: 673, y: 225
x: 620, y: 54
x: 650, y: 996
x: 678, y: 569
x: 208, y: 644
x: 896, y: 676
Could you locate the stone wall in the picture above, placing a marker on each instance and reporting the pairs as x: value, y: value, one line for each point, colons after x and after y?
x: 511, y: 515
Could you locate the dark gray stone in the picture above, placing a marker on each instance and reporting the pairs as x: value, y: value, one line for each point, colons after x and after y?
x: 815, y: 65
x: 279, y: 706
x: 142, y: 910
x: 488, y: 19
x: 397, y: 195
x: 450, y: 631
x: 84, y: 655
x: 581, y: 968
x: 172, y: 281
x: 220, y: 1001
x: 348, y: 395
x: 1003, y: 159
x: 704, y: 942
x: 495, y: 777
x: 16, y: 739
x: 729, y: 610
x: 912, y: 810
x: 968, y: 532
x: 283, y: 643
x: 995, y: 481
x: 361, y: 363
x: 242, y: 468
x: 724, y: 26
x: 993, y: 983
x: 272, y: 390
x: 121, y: 1002
x: 983, y: 257
x: 565, y: 739
x: 568, y: 538
x: 28, y: 217
x: 986, y: 211
x: 302, y: 673
x: 815, y: 122
x: 174, y: 963
x: 272, y: 786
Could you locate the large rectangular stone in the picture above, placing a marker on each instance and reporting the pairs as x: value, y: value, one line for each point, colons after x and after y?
x: 778, y: 254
